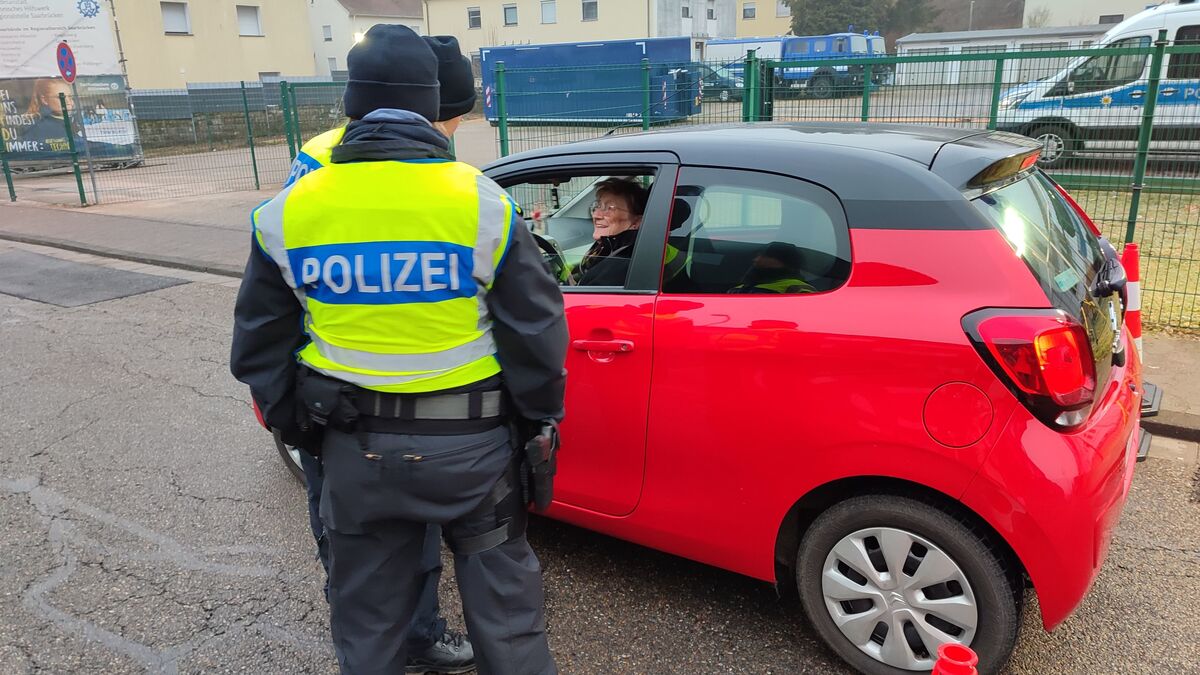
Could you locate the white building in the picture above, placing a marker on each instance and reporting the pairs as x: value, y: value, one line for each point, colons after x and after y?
x: 988, y: 41
x: 338, y: 24
x: 1039, y: 13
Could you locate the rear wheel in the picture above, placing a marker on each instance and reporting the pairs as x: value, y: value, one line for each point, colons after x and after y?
x: 1058, y: 145
x: 724, y: 95
x: 821, y: 86
x: 886, y: 580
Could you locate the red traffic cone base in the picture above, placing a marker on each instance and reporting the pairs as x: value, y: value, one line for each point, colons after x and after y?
x: 955, y: 659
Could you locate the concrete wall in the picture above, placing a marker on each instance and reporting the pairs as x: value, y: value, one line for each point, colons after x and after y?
x: 1080, y: 12
x: 213, y: 52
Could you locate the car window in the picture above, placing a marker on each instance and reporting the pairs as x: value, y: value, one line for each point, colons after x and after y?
x: 587, y: 224
x: 1105, y: 72
x: 745, y: 232
x: 1185, y: 66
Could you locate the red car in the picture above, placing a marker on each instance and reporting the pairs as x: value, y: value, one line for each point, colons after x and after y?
x: 936, y: 408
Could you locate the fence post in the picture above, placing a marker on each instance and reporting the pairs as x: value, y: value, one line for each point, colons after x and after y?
x: 286, y: 108
x: 296, y: 118
x: 12, y: 191
x: 997, y: 85
x: 645, y: 94
x: 62, y: 105
x: 767, y: 100
x: 1147, y: 128
x: 866, y: 102
x: 750, y: 98
x: 250, y: 135
x: 501, y: 109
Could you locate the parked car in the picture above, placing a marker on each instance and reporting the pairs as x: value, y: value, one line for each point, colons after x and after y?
x: 940, y: 410
x: 719, y: 84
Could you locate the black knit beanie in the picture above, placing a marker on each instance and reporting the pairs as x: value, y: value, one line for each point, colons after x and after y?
x: 392, y: 67
x: 455, y: 76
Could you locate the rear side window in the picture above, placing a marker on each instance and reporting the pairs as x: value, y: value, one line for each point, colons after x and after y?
x: 1048, y: 235
x: 745, y: 232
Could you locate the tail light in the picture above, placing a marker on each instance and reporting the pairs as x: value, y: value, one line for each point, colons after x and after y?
x: 1043, y: 356
x: 1087, y: 220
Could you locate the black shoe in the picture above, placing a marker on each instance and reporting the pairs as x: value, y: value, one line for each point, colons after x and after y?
x: 450, y: 655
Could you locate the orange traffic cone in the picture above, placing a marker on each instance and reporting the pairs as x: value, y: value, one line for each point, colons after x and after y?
x: 1133, y: 313
x: 955, y: 659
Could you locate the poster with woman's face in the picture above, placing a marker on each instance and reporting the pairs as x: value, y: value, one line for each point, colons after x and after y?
x: 33, y: 129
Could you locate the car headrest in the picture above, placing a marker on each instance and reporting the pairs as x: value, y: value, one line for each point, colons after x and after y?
x: 680, y: 212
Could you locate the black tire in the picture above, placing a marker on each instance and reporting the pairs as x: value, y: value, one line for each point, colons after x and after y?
x: 821, y: 87
x: 289, y: 460
x: 995, y: 589
x: 1059, y: 145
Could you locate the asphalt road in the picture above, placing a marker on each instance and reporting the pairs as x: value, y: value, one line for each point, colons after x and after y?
x: 147, y: 525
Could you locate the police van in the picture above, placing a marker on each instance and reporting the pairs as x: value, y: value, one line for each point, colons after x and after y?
x: 1095, y: 105
x: 817, y: 80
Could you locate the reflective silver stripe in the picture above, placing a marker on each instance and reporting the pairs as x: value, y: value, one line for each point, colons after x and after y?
x: 427, y: 363
x: 493, y: 212
x: 368, y: 381
x: 454, y: 407
x: 268, y: 220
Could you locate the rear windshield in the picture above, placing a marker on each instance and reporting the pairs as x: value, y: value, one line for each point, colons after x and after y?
x: 1049, y: 236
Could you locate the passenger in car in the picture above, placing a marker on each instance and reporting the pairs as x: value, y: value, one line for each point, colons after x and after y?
x: 776, y: 269
x: 616, y: 217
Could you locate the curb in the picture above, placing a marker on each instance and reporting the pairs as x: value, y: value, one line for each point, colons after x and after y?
x: 160, y: 261
x: 1171, y: 424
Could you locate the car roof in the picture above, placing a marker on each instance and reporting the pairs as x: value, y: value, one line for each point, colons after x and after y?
x: 697, y: 144
x: 893, y: 175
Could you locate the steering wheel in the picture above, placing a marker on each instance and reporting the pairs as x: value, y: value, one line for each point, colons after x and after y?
x: 553, y: 257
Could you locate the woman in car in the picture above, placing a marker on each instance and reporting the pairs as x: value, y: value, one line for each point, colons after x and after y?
x: 616, y: 217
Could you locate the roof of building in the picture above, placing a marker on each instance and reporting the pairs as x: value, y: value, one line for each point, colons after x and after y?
x: 407, y: 9
x: 1002, y: 33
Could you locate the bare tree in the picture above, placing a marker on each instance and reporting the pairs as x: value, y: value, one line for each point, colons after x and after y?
x: 1038, y: 18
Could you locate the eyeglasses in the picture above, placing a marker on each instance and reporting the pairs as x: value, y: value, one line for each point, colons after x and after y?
x: 606, y: 208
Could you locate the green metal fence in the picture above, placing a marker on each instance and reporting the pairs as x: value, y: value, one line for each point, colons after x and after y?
x: 1120, y: 126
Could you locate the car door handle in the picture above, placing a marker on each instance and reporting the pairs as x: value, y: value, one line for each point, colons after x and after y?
x: 1136, y: 94
x: 608, y: 346
x: 1169, y: 91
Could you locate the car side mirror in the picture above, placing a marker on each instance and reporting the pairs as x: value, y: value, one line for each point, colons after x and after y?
x: 1070, y: 86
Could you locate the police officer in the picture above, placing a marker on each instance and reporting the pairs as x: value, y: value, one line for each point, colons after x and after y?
x: 429, y: 328
x: 431, y: 645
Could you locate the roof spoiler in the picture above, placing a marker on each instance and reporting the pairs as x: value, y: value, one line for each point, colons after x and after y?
x: 1004, y: 170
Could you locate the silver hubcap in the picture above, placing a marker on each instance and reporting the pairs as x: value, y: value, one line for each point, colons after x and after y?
x: 725, y: 95
x: 1053, y: 147
x: 897, y: 596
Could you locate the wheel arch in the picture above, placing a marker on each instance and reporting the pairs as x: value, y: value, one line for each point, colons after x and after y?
x: 805, y: 510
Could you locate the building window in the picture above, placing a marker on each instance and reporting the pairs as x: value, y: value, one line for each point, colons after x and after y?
x: 175, y: 18
x: 748, y: 10
x: 248, y: 21
x: 264, y: 75
x: 591, y: 10
x: 510, y: 15
x: 1112, y: 18
x: 473, y: 18
x: 712, y: 10
x: 549, y: 11
x: 687, y: 11
x: 782, y: 8
x: 327, y: 33
x: 332, y: 61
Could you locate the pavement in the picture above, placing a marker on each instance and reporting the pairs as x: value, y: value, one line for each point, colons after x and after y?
x: 210, y: 233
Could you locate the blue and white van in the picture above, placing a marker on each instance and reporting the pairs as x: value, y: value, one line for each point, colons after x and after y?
x: 1095, y: 105
x: 818, y: 81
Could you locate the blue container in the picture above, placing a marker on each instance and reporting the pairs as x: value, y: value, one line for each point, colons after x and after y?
x: 592, y: 82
